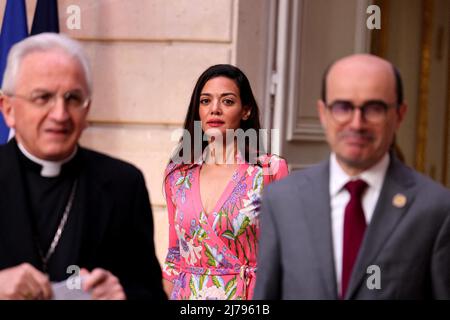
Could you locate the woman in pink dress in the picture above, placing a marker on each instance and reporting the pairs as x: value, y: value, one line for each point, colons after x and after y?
x: 213, y: 186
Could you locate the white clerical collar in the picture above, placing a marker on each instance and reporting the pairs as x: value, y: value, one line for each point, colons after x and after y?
x: 49, y: 169
x: 374, y: 176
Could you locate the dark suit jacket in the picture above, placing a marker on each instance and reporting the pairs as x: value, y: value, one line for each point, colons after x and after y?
x: 111, y: 215
x: 410, y: 245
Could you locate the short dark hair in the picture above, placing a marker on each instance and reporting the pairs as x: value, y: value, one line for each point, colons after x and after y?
x: 398, y: 84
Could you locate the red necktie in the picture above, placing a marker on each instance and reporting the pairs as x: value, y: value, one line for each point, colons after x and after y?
x: 354, y: 227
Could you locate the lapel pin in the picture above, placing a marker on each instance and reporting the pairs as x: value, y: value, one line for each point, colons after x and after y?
x: 399, y: 200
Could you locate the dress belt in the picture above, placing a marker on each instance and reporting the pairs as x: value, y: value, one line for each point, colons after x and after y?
x: 245, y: 272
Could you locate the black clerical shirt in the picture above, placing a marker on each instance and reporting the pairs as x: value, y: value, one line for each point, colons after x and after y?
x: 47, y: 198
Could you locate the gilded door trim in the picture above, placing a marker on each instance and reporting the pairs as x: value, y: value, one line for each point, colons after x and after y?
x: 424, y: 82
x: 445, y: 155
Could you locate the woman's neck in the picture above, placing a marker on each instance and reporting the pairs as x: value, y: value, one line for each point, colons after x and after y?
x: 218, y: 153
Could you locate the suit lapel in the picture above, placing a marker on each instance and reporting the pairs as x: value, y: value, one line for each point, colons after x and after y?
x: 317, y: 212
x: 15, y: 225
x: 94, y: 208
x: 398, y: 181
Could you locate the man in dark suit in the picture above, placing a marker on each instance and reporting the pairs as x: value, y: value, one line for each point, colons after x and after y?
x: 64, y: 208
x: 360, y: 225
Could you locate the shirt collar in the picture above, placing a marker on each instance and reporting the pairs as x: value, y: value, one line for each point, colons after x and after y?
x: 373, y: 176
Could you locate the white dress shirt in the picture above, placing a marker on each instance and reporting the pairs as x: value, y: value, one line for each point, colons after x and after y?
x: 339, y: 196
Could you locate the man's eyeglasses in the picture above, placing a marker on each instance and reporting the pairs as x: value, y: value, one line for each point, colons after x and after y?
x: 373, y: 111
x: 45, y: 99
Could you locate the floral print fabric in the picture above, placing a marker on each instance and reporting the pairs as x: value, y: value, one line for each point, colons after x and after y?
x: 213, y: 255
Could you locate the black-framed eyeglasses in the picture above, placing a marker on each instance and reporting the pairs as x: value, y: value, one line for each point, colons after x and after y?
x: 373, y: 111
x: 43, y: 99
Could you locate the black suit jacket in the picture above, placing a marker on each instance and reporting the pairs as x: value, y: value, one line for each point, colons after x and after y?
x: 111, y: 215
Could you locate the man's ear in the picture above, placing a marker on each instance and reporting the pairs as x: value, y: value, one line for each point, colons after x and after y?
x: 7, y: 110
x: 401, y: 112
x: 321, y: 109
x: 86, y: 122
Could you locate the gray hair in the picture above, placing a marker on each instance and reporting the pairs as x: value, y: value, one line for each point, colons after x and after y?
x: 43, y: 42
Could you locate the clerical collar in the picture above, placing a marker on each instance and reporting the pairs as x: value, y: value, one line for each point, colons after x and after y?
x: 49, y: 169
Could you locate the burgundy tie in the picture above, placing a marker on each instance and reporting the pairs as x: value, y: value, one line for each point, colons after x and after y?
x: 354, y: 227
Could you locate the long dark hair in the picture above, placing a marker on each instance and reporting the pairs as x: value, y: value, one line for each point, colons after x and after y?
x: 248, y: 103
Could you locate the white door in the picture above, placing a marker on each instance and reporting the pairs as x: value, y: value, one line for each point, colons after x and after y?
x: 310, y: 34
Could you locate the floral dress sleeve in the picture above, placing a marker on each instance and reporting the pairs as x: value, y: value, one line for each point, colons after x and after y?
x: 274, y: 168
x: 282, y: 166
x: 171, y: 265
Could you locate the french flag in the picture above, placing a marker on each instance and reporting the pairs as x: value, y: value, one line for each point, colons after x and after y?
x: 15, y: 28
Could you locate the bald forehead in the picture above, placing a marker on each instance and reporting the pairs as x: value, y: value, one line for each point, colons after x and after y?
x: 363, y: 60
x: 362, y: 71
x: 363, y: 64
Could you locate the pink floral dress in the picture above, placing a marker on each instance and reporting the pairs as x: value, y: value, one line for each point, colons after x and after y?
x: 213, y: 255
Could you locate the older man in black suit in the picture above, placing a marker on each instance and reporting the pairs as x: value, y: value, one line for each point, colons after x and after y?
x: 63, y: 206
